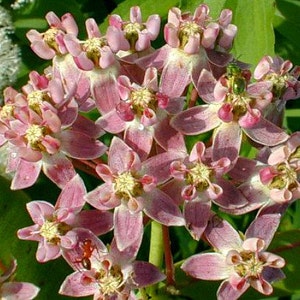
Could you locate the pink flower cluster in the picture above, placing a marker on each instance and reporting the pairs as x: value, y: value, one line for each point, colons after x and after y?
x: 146, y: 172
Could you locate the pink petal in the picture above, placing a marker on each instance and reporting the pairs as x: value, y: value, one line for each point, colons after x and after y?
x: 26, y: 174
x: 72, y: 195
x: 227, y: 291
x: 129, y: 227
x: 175, y: 77
x: 102, y: 197
x: 266, y: 133
x: 47, y: 251
x: 104, y: 88
x: 207, y: 266
x: 139, y: 138
x: 121, y: 157
x: 221, y: 235
x: 264, y: 227
x: 146, y: 274
x: 158, y: 166
x: 31, y: 233
x: 74, y: 286
x: 81, y: 146
x: 39, y: 211
x: 227, y: 141
x: 160, y: 207
x: 192, y: 212
x: 58, y: 168
x: 231, y: 197
x: 196, y: 120
x: 19, y: 290
x: 99, y: 222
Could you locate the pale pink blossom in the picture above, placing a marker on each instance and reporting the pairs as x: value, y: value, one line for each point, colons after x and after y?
x: 239, y: 262
x: 106, y: 274
x: 53, y: 228
x: 131, y: 188
x: 232, y: 108
x: 49, y: 43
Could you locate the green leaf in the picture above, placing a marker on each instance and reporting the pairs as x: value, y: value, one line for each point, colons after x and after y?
x: 255, y: 36
x: 287, y: 245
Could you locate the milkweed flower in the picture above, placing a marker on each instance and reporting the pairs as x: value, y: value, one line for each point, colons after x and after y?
x: 43, y: 129
x: 10, y: 289
x: 53, y: 228
x: 109, y: 274
x: 134, y: 35
x: 197, y: 182
x: 192, y: 45
x: 233, y: 108
x: 130, y: 188
x: 239, y: 262
x: 285, y: 84
x: 143, y: 114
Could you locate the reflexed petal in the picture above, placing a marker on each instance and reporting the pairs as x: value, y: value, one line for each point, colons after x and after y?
x: 266, y: 133
x: 47, y: 251
x: 176, y: 76
x: 102, y: 197
x: 262, y: 286
x: 231, y: 197
x: 196, y: 120
x: 72, y: 194
x: 58, y: 168
x: 221, y: 235
x: 227, y: 291
x: 81, y: 146
x: 111, y: 122
x: 129, y: 227
x: 104, y: 88
x: 139, y: 138
x: 264, y: 227
x: 145, y: 274
x: 74, y: 286
x: 31, y: 233
x: 160, y: 207
x: 207, y: 266
x: 26, y: 174
x: 39, y: 211
x: 18, y: 290
x: 121, y: 157
x: 99, y: 222
x: 227, y: 141
x: 196, y: 214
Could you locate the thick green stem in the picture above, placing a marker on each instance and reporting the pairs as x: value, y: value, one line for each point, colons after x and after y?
x: 156, y: 252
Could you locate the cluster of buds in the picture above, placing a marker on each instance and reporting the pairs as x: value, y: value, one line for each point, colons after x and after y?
x: 145, y: 170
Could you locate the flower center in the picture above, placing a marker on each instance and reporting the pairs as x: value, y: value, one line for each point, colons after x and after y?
x: 240, y: 104
x: 35, y: 100
x: 52, y: 231
x: 6, y: 111
x: 142, y: 99
x: 199, y: 176
x: 132, y: 31
x: 92, y: 48
x: 286, y: 178
x: 110, y: 281
x: 126, y: 186
x: 187, y: 30
x: 50, y: 38
x: 34, y: 135
x: 279, y: 83
x: 250, y: 266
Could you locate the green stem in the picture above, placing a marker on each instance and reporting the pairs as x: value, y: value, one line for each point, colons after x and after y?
x: 156, y: 252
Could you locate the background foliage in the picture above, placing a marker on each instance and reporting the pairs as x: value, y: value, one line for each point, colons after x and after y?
x: 265, y: 27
